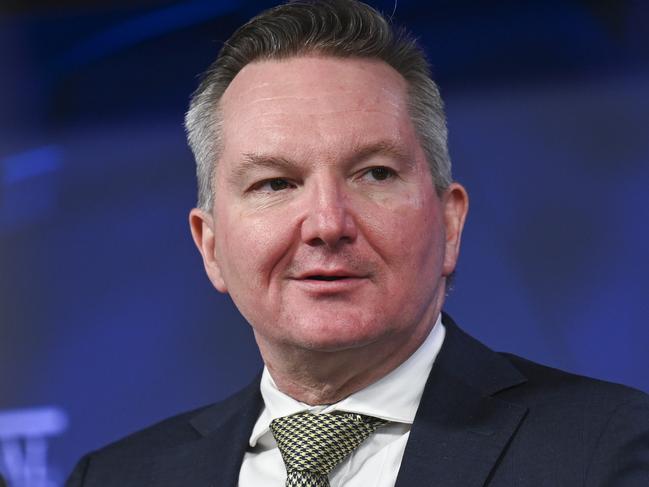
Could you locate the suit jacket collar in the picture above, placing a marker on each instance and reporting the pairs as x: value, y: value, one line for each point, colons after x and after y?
x: 461, y: 428
x: 459, y: 432
x: 214, y: 459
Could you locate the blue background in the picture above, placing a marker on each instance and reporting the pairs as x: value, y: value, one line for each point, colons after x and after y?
x: 104, y: 308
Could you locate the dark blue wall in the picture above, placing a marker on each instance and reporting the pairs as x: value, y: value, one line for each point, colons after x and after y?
x: 104, y: 309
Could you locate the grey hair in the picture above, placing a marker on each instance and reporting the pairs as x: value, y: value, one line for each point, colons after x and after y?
x: 338, y: 28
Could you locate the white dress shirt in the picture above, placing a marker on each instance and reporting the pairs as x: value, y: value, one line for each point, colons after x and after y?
x: 376, y: 461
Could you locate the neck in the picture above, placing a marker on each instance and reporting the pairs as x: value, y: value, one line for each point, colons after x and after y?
x: 319, y: 377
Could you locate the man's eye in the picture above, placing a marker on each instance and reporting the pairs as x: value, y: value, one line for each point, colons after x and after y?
x: 380, y: 173
x: 272, y: 185
x: 278, y: 184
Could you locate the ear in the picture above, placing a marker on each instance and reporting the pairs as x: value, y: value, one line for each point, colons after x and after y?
x: 201, y: 224
x: 455, y: 203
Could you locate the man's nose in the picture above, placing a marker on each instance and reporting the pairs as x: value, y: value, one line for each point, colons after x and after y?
x: 328, y: 219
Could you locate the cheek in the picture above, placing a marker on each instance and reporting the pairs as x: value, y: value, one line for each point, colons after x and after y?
x: 253, y: 246
x: 410, y: 230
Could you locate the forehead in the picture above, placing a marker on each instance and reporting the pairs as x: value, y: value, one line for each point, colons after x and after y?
x: 314, y: 102
x: 319, y: 79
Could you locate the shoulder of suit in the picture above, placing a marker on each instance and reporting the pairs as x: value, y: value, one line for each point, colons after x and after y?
x: 547, y: 385
x: 175, y: 430
x: 167, y: 433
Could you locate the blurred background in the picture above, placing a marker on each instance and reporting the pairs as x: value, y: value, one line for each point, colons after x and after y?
x: 107, y: 322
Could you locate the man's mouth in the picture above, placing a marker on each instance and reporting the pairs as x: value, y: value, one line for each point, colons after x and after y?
x: 330, y: 281
x: 329, y: 275
x: 327, y: 278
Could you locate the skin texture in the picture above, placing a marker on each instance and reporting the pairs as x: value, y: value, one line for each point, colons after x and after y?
x: 326, y: 229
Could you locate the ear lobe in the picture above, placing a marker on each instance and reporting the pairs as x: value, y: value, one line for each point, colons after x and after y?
x: 201, y: 224
x: 455, y: 203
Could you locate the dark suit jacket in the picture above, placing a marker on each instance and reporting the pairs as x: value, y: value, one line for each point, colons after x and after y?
x: 485, y: 419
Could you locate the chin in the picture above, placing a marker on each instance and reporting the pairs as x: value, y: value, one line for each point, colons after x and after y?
x: 335, y: 336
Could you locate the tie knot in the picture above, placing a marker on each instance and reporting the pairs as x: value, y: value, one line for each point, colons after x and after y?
x: 316, y: 443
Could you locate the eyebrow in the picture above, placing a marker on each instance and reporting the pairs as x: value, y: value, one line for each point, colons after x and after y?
x: 359, y: 152
x: 381, y: 148
x: 251, y: 160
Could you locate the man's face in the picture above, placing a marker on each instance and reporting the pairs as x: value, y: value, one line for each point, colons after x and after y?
x: 326, y: 229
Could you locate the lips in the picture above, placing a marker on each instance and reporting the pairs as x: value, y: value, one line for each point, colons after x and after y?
x: 321, y: 282
x: 327, y: 276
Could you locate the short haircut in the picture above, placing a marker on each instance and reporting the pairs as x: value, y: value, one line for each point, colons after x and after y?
x: 336, y: 28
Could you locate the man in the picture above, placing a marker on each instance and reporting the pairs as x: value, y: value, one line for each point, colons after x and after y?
x: 327, y: 211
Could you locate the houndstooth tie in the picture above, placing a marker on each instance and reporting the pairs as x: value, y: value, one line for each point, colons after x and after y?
x: 313, y: 444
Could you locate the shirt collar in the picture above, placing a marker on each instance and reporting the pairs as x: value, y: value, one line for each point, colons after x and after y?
x: 395, y: 397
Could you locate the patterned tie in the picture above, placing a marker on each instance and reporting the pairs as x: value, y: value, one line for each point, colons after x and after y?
x: 313, y: 444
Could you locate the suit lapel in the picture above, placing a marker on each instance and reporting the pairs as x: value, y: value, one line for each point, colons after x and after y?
x: 214, y: 459
x: 461, y: 429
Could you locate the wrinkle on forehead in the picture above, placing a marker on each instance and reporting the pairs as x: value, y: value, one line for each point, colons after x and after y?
x: 257, y: 106
x: 321, y: 104
x: 386, y: 96
x: 271, y: 117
